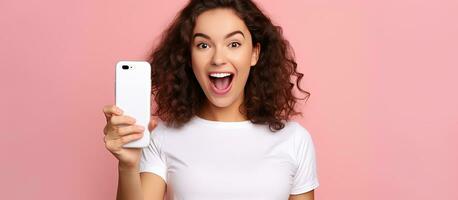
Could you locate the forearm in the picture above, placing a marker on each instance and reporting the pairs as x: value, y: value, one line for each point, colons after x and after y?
x: 129, y: 184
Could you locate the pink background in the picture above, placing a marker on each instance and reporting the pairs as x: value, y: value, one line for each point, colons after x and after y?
x: 383, y: 109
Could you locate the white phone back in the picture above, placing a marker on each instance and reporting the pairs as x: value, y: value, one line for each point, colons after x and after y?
x: 133, y: 94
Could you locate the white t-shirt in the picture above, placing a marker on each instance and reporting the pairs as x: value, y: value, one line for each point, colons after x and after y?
x: 208, y: 160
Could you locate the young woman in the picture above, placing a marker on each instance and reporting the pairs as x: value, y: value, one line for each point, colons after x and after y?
x: 221, y: 82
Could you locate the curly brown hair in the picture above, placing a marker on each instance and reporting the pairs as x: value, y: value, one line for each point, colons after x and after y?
x: 268, y: 92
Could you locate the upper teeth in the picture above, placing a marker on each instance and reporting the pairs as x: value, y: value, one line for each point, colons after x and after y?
x: 219, y: 75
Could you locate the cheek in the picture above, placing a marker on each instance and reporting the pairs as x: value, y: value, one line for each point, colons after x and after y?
x: 198, y: 62
x: 197, y: 59
x: 201, y: 60
x: 242, y: 63
x: 241, y: 59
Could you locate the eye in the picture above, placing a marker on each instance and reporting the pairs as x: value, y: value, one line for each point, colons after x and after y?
x: 232, y: 44
x: 203, y: 45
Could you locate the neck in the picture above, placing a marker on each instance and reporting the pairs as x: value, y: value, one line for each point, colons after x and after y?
x: 230, y: 113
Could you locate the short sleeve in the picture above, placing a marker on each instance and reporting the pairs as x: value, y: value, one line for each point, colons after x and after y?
x: 306, y: 178
x: 152, y: 158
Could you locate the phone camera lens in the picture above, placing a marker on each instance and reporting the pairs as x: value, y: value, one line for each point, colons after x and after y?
x: 125, y: 67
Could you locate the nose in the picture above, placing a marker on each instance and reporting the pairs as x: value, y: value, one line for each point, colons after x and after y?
x: 218, y: 57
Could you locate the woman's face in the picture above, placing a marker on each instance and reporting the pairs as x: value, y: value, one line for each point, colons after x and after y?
x: 222, y: 45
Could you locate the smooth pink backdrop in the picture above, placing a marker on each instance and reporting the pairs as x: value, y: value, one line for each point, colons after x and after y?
x: 383, y: 110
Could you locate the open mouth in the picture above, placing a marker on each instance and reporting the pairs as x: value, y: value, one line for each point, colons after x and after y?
x: 221, y: 84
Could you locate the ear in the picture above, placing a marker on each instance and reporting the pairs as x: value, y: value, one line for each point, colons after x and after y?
x: 255, y: 54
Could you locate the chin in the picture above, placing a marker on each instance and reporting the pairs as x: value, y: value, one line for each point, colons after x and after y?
x: 221, y: 102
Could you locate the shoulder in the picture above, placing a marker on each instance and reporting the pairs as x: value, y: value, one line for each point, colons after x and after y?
x: 158, y: 132
x: 298, y: 130
x: 301, y: 135
x: 163, y: 131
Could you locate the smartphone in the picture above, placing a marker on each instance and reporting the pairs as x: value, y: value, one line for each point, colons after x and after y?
x: 133, y: 95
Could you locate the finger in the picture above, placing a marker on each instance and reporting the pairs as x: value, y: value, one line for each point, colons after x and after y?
x: 122, y: 120
x: 131, y: 137
x: 126, y: 130
x: 110, y: 110
x: 105, y: 130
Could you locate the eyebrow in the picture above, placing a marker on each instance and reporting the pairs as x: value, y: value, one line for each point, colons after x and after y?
x: 208, y: 37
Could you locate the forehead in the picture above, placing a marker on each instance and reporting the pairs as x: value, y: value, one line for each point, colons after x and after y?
x: 216, y: 23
